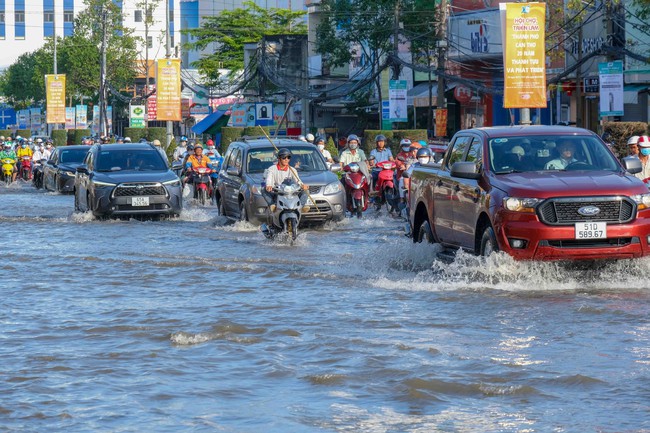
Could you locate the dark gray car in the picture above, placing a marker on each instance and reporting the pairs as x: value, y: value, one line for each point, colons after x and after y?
x: 127, y: 179
x: 238, y: 192
x: 59, y: 170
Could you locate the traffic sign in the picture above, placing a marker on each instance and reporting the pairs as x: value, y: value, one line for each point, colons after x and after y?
x: 7, y: 117
x: 264, y: 113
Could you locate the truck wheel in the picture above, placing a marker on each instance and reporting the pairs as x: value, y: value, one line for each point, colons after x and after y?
x: 489, y: 243
x: 425, y: 233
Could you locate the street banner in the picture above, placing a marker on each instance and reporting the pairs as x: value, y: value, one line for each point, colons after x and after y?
x: 524, y: 57
x: 151, y: 107
x: 610, y: 75
x: 397, y: 90
x: 441, y: 122
x: 69, y: 118
x: 168, y: 90
x: 24, y: 119
x: 109, y: 119
x: 55, y: 96
x: 82, y: 116
x: 36, y: 118
x: 136, y: 116
x: 95, y: 124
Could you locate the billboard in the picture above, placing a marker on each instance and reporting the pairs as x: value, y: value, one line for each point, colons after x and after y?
x: 168, y: 89
x: 55, y: 96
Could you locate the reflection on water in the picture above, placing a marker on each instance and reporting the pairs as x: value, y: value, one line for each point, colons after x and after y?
x: 200, y: 324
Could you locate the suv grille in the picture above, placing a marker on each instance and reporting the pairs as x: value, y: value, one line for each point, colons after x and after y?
x: 314, y: 189
x: 564, y: 211
x: 136, y: 189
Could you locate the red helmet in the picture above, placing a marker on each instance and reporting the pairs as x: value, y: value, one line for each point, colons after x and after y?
x: 209, y: 142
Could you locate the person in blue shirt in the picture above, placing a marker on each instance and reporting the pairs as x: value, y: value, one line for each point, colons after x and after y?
x: 380, y: 153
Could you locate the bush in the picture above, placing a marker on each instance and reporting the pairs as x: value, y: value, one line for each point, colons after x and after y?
x: 620, y: 132
x: 25, y: 133
x: 228, y: 135
x: 369, y: 140
x: 78, y: 134
x: 6, y: 132
x: 135, y: 134
x: 411, y: 134
x: 60, y: 137
x: 255, y: 131
x: 157, y: 133
x: 331, y: 147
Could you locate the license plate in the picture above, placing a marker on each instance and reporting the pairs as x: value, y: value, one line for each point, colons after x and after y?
x: 139, y: 201
x: 591, y: 230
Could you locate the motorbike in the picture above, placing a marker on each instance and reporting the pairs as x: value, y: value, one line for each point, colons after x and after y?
x: 25, y: 167
x: 8, y: 169
x: 37, y: 174
x: 285, y: 213
x: 202, y: 185
x: 357, y: 189
x: 387, y: 193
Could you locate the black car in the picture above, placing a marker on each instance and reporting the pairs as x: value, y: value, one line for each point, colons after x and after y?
x: 127, y: 179
x: 59, y: 170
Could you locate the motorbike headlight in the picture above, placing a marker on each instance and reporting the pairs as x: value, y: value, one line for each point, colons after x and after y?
x: 517, y: 204
x: 332, y: 188
x: 99, y: 183
x: 173, y: 182
x: 642, y: 201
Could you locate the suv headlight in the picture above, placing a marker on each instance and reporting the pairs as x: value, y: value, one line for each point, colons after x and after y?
x: 173, y: 182
x: 98, y: 183
x: 332, y: 188
x: 516, y: 204
x: 642, y: 201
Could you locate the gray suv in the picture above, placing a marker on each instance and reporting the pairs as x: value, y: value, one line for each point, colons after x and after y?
x: 238, y: 191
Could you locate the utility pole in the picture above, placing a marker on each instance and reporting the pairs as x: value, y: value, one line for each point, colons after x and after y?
x: 102, y: 78
x: 441, y: 102
x: 56, y: 125
x: 579, y: 107
x: 396, y: 65
x: 168, y: 53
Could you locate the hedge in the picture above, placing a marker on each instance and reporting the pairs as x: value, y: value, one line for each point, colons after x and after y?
x: 620, y: 132
x: 332, y: 147
x: 25, y: 133
x: 75, y: 135
x: 393, y: 137
x: 157, y: 133
x: 135, y: 134
x: 60, y: 137
x: 6, y: 132
x: 228, y: 135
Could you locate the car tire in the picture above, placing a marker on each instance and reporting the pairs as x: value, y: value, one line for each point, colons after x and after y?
x: 424, y: 233
x: 221, y: 209
x: 489, y: 242
x: 243, y: 215
x: 76, y: 202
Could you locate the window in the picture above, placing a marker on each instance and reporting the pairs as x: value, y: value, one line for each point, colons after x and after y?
x: 137, y: 16
x: 149, y: 41
x: 2, y: 17
x: 149, y: 15
x: 171, y: 16
x: 68, y: 16
x: 458, y: 151
x: 20, y: 16
x: 48, y: 16
x: 475, y: 152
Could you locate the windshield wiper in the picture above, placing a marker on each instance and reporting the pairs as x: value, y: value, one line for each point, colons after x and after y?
x: 512, y: 170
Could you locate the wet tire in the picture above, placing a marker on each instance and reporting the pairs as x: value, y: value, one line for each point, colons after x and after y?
x: 489, y: 243
x: 359, y: 210
x: 424, y: 233
x: 203, y: 197
x: 243, y: 216
x: 221, y: 209
x: 76, y: 202
x: 292, y: 229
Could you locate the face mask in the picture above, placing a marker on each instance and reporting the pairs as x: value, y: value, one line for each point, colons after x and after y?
x: 23, y: 146
x: 320, y: 147
x: 406, y: 149
x: 645, y: 151
x: 423, y: 160
x: 353, y: 146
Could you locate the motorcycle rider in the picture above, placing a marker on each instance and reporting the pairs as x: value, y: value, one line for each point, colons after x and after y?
x: 320, y: 144
x: 24, y: 150
x: 310, y: 137
x: 216, y: 161
x: 159, y: 148
x: 48, y: 149
x: 9, y: 153
x: 210, y: 145
x: 381, y: 154
x: 195, y: 161
x: 181, y: 149
x: 405, y: 157
x: 278, y: 173
x: 424, y: 156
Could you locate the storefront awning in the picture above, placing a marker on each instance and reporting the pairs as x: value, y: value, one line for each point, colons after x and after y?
x: 213, y: 123
x: 418, y: 96
x: 631, y: 92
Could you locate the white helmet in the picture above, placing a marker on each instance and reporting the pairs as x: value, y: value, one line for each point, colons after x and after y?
x: 310, y: 137
x: 633, y: 139
x: 302, y: 138
x: 38, y: 140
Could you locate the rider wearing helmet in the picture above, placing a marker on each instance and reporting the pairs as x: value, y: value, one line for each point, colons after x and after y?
x: 320, y: 144
x: 310, y: 137
x: 381, y: 153
x: 196, y: 160
x: 405, y: 157
x: 278, y: 173
x: 181, y: 149
x: 633, y: 145
x: 354, y: 154
x: 8, y: 153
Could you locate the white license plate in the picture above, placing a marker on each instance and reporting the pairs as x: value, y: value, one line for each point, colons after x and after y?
x: 139, y: 201
x: 591, y: 230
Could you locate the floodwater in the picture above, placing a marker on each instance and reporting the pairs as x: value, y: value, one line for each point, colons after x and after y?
x: 198, y: 325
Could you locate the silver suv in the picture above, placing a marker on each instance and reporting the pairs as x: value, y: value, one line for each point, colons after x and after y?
x: 238, y: 191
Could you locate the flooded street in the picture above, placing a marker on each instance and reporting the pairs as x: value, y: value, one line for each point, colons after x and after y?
x: 198, y: 325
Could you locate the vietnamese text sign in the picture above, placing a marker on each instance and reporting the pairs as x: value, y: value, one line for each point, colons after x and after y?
x: 441, y: 122
x: 82, y: 116
x: 136, y: 116
x: 69, y: 117
x: 55, y: 94
x: 524, y: 57
x: 397, y: 99
x: 610, y: 75
x: 168, y: 89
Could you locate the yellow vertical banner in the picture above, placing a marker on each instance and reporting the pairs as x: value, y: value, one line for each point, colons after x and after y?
x: 524, y: 58
x: 55, y: 98
x: 168, y: 89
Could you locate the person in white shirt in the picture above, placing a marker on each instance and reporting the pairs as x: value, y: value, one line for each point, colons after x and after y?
x: 320, y: 144
x: 644, y: 156
x: 278, y: 173
x: 180, y: 151
x: 566, y: 150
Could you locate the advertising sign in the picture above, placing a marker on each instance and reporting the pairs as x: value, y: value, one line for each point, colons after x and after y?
x: 24, y: 119
x: 524, y: 57
x: 82, y: 116
x: 238, y: 115
x: 168, y: 90
x: 136, y: 116
x: 151, y: 107
x: 36, y: 118
x: 264, y: 114
x: 441, y: 122
x: 95, y: 127
x: 611, y: 88
x: 55, y: 95
x: 397, y: 90
x: 69, y: 117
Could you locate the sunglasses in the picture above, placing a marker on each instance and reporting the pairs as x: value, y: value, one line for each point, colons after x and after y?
x: 285, y: 157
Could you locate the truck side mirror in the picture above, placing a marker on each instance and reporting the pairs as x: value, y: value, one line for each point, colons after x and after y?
x: 632, y: 164
x: 465, y: 170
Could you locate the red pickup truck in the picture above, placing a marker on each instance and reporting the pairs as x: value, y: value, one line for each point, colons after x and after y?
x: 535, y: 192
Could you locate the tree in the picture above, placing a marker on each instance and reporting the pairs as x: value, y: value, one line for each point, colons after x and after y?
x: 230, y: 30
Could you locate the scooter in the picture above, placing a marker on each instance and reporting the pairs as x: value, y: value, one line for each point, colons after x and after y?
x: 201, y: 182
x: 8, y: 169
x: 385, y: 188
x: 25, y: 167
x: 286, y: 212
x: 357, y: 189
x: 37, y: 174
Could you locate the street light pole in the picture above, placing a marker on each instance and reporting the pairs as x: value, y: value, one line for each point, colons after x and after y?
x: 168, y: 53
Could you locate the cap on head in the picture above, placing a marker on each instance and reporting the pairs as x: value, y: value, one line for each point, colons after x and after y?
x: 310, y: 137
x: 198, y: 146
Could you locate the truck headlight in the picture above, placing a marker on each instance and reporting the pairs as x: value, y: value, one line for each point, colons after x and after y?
x: 642, y: 201
x: 98, y: 183
x: 332, y: 188
x: 173, y: 182
x: 517, y: 204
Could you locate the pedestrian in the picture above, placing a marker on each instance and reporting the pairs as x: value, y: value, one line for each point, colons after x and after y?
x: 633, y: 147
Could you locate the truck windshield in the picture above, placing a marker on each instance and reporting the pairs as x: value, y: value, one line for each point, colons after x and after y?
x: 549, y: 153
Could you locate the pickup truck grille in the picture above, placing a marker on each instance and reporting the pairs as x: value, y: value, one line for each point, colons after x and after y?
x: 564, y: 211
x: 133, y: 189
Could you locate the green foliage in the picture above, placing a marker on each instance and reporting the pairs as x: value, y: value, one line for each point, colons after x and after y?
x: 231, y: 29
x: 6, y: 132
x: 76, y: 135
x: 228, y: 135
x: 25, y: 133
x: 60, y: 137
x: 369, y: 139
x: 331, y: 147
x: 620, y: 132
x: 135, y: 134
x: 157, y: 133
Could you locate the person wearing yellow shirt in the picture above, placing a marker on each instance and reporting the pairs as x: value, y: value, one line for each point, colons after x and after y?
x: 23, y: 150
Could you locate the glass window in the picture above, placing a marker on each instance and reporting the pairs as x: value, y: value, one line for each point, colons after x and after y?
x: 458, y: 151
x: 72, y: 155
x: 130, y: 159
x: 137, y: 16
x: 475, y: 152
x: 20, y: 16
x: 68, y: 16
x: 48, y: 16
x: 2, y: 17
x: 232, y: 161
x: 149, y: 41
